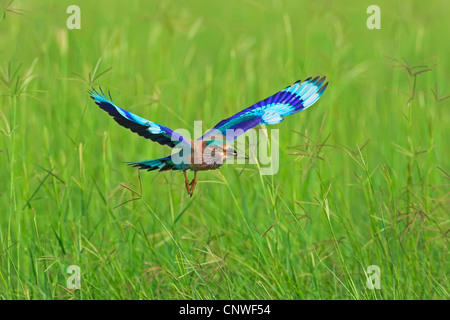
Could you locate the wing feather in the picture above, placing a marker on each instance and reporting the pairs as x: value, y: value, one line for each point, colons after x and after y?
x: 143, y: 127
x: 272, y: 110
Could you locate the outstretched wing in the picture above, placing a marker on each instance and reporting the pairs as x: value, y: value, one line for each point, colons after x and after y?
x: 145, y: 128
x: 293, y: 99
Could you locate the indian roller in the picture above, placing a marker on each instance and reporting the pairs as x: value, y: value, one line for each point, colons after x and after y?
x: 209, y: 151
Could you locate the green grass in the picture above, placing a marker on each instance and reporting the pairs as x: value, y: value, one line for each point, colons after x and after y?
x: 363, y: 177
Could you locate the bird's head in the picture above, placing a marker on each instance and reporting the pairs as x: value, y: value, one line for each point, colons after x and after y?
x: 221, y: 148
x: 229, y: 152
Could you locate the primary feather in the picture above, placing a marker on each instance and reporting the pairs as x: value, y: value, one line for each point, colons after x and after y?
x: 293, y: 99
x: 143, y: 127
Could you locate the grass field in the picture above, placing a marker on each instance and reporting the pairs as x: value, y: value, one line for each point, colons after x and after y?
x: 363, y: 178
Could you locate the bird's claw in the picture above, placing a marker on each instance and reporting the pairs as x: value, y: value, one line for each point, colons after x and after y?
x: 190, y: 186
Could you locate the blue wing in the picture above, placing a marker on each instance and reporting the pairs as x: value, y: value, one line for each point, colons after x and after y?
x: 145, y: 128
x: 293, y: 99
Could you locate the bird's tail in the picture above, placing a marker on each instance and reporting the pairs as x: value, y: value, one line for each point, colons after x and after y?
x: 162, y: 164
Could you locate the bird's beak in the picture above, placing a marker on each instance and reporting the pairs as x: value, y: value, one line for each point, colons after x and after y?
x: 231, y: 152
x: 236, y: 154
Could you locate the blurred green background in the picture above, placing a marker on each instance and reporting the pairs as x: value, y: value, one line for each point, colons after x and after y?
x: 363, y: 178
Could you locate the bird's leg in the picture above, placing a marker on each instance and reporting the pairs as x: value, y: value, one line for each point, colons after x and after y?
x: 193, y: 183
x: 186, y: 182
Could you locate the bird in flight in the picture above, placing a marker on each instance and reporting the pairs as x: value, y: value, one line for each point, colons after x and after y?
x: 209, y: 151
